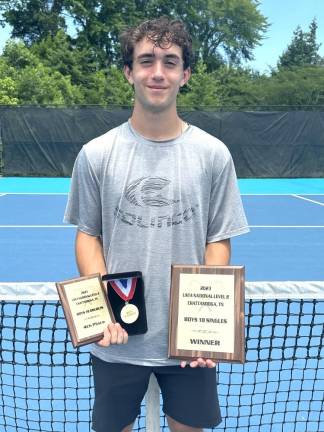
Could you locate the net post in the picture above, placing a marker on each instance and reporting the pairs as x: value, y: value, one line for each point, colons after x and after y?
x: 152, y: 402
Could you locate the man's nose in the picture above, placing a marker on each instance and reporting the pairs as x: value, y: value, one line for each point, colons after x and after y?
x: 158, y: 70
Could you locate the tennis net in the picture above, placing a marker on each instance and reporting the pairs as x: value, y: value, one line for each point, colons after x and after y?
x: 46, y: 384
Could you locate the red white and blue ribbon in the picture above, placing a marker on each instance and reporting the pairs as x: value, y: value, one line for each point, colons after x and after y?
x: 125, y: 288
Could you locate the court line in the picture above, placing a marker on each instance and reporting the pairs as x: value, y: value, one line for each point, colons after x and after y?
x: 242, y: 194
x: 286, y: 226
x: 282, y: 194
x: 35, y: 193
x: 37, y: 226
x: 307, y: 199
x: 74, y: 226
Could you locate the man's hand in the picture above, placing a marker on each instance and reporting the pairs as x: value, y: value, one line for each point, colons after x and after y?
x: 199, y: 362
x: 113, y: 334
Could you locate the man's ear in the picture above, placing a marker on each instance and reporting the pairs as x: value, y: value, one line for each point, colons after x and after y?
x: 186, y: 76
x: 128, y: 74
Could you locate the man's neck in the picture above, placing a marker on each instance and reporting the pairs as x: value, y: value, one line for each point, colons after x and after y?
x: 161, y: 126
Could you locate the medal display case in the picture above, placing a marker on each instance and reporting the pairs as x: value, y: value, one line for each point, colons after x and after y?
x: 125, y: 293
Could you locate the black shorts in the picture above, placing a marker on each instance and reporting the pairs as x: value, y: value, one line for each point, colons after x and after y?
x: 189, y: 394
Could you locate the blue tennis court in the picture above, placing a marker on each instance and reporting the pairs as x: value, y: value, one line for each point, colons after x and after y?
x: 46, y: 385
x: 286, y: 240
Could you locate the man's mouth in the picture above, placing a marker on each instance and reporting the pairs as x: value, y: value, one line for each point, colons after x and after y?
x: 157, y: 88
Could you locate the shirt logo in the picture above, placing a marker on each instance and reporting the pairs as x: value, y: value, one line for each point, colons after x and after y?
x: 149, y: 192
x: 152, y: 205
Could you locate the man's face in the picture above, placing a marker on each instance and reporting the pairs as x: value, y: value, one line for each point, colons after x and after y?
x: 157, y: 75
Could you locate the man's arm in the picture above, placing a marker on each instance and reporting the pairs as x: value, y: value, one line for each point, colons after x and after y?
x: 89, y: 254
x: 90, y: 259
x: 217, y: 253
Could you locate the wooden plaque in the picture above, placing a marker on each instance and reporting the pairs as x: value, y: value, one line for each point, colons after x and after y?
x: 85, y: 307
x: 206, y: 317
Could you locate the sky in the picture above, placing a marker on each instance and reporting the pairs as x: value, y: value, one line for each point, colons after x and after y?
x: 283, y: 16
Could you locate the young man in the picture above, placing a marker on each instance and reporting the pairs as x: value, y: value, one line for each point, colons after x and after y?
x: 152, y: 192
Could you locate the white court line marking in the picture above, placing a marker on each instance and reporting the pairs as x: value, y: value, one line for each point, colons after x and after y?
x: 37, y: 226
x: 3, y: 194
x: 73, y: 226
x: 36, y: 193
x: 286, y: 226
x: 281, y: 194
x: 310, y: 200
x: 242, y: 194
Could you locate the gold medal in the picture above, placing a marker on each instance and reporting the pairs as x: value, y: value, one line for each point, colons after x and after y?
x: 125, y: 288
x: 129, y: 313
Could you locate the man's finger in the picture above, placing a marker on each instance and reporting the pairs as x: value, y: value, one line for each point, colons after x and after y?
x: 120, y: 334
x: 210, y: 363
x: 201, y: 362
x: 105, y: 341
x: 113, y: 332
x: 125, y: 336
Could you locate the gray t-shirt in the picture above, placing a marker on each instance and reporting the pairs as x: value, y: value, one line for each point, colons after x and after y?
x: 154, y: 204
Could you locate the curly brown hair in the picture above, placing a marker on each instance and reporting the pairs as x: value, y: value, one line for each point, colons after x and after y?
x: 163, y: 32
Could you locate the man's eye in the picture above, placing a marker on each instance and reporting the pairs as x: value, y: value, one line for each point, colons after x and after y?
x: 171, y: 63
x: 146, y: 61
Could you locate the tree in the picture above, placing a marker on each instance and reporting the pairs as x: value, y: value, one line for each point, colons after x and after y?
x: 41, y: 86
x: 8, y: 87
x: 27, y: 78
x: 222, y: 30
x: 117, y: 90
x: 18, y: 55
x: 34, y: 82
x: 80, y: 66
x: 33, y: 20
x: 201, y: 90
x: 59, y: 53
x: 303, y: 49
x: 226, y: 30
x: 238, y: 87
x: 99, y: 23
x: 295, y: 86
